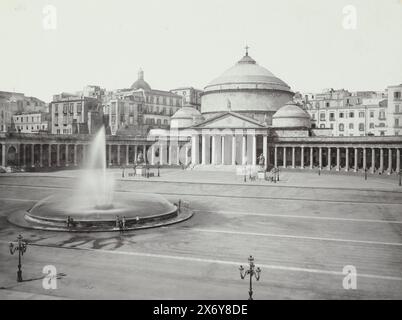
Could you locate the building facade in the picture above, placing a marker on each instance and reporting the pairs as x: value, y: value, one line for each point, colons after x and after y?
x: 140, y: 108
x: 345, y: 113
x: 191, y: 97
x: 31, y: 122
x: 72, y: 114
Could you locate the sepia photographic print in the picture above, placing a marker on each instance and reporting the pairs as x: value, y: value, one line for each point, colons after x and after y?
x: 200, y: 151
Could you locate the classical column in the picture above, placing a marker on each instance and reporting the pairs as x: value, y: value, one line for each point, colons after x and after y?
x: 372, y: 160
x: 311, y: 158
x: 194, y: 149
x: 178, y: 154
x: 284, y: 157
x: 204, y: 149
x: 329, y: 159
x: 32, y: 155
x: 213, y: 149
x: 389, y: 170
x: 162, y: 151
x: 75, y: 154
x: 118, y: 154
x: 153, y: 155
x: 24, y: 156
x: 381, y: 160
x: 186, y: 155
x: 41, y: 155
x: 58, y: 155
x: 346, y: 159
x: 135, y: 153
x: 398, y: 160
x: 302, y: 157
x: 49, y: 150
x: 364, y: 159
x: 320, y: 157
x: 223, y: 149
x: 338, y: 159
x: 243, y: 150
x: 254, y: 156
x: 276, y: 157
x: 233, y: 150
x: 84, y: 153
x: 127, y: 154
x: 110, y: 154
x: 356, y: 159
x: 66, y: 155
x: 265, y: 151
x: 144, y: 153
x: 293, y: 157
x: 3, y: 155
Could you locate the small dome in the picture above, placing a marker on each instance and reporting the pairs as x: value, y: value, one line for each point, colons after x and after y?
x: 291, y: 115
x: 186, y: 113
x: 140, y: 83
x: 185, y: 117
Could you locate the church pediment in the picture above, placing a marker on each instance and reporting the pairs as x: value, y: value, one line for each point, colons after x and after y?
x: 230, y: 120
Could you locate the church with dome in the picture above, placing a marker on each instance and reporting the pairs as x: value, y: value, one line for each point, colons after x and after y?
x: 250, y: 117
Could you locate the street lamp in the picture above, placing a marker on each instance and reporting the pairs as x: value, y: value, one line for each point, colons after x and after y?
x: 21, y: 246
x: 319, y: 170
x: 251, y: 272
x: 365, y: 173
x: 400, y: 175
x: 158, y: 168
x: 277, y: 171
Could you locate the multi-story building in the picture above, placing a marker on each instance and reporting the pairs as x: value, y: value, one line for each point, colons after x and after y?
x: 140, y: 107
x: 30, y: 122
x: 362, y: 113
x: 22, y: 103
x: 75, y: 114
x: 190, y: 97
x: 394, y: 110
x: 5, y: 114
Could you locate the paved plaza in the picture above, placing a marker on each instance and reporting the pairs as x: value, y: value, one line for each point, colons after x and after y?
x: 302, y: 231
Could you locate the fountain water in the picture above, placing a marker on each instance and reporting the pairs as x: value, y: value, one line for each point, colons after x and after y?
x: 95, y: 206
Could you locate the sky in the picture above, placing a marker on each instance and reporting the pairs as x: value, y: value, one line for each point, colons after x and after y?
x: 189, y: 43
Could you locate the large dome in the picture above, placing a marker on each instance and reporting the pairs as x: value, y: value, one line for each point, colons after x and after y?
x: 247, y: 74
x: 247, y: 88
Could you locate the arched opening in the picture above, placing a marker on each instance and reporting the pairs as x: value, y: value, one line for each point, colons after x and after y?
x: 12, y: 156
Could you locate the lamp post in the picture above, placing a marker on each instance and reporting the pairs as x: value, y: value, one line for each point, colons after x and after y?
x: 319, y: 170
x: 365, y: 173
x: 277, y: 171
x: 251, y: 272
x: 158, y: 165
x: 21, y: 246
x: 245, y: 168
x: 400, y: 175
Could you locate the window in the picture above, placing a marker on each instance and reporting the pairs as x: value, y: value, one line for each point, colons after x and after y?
x: 341, y: 115
x: 396, y: 109
x: 371, y: 125
x: 396, y: 122
x: 331, y: 116
x: 361, y: 114
x: 371, y: 114
x: 361, y: 126
x: 397, y: 95
x: 322, y: 126
x: 341, y: 127
x: 322, y: 116
x: 327, y: 104
x: 381, y: 115
x: 351, y: 114
x: 332, y: 125
x: 350, y: 125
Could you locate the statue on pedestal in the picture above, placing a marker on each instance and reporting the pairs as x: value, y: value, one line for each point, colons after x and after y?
x: 261, y: 161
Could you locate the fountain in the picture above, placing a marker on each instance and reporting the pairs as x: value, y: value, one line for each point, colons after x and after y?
x: 94, y: 205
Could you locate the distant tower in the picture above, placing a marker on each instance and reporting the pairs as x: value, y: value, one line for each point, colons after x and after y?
x: 140, y: 74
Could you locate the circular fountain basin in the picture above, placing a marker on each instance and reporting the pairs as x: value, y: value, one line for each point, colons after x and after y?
x: 140, y: 210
